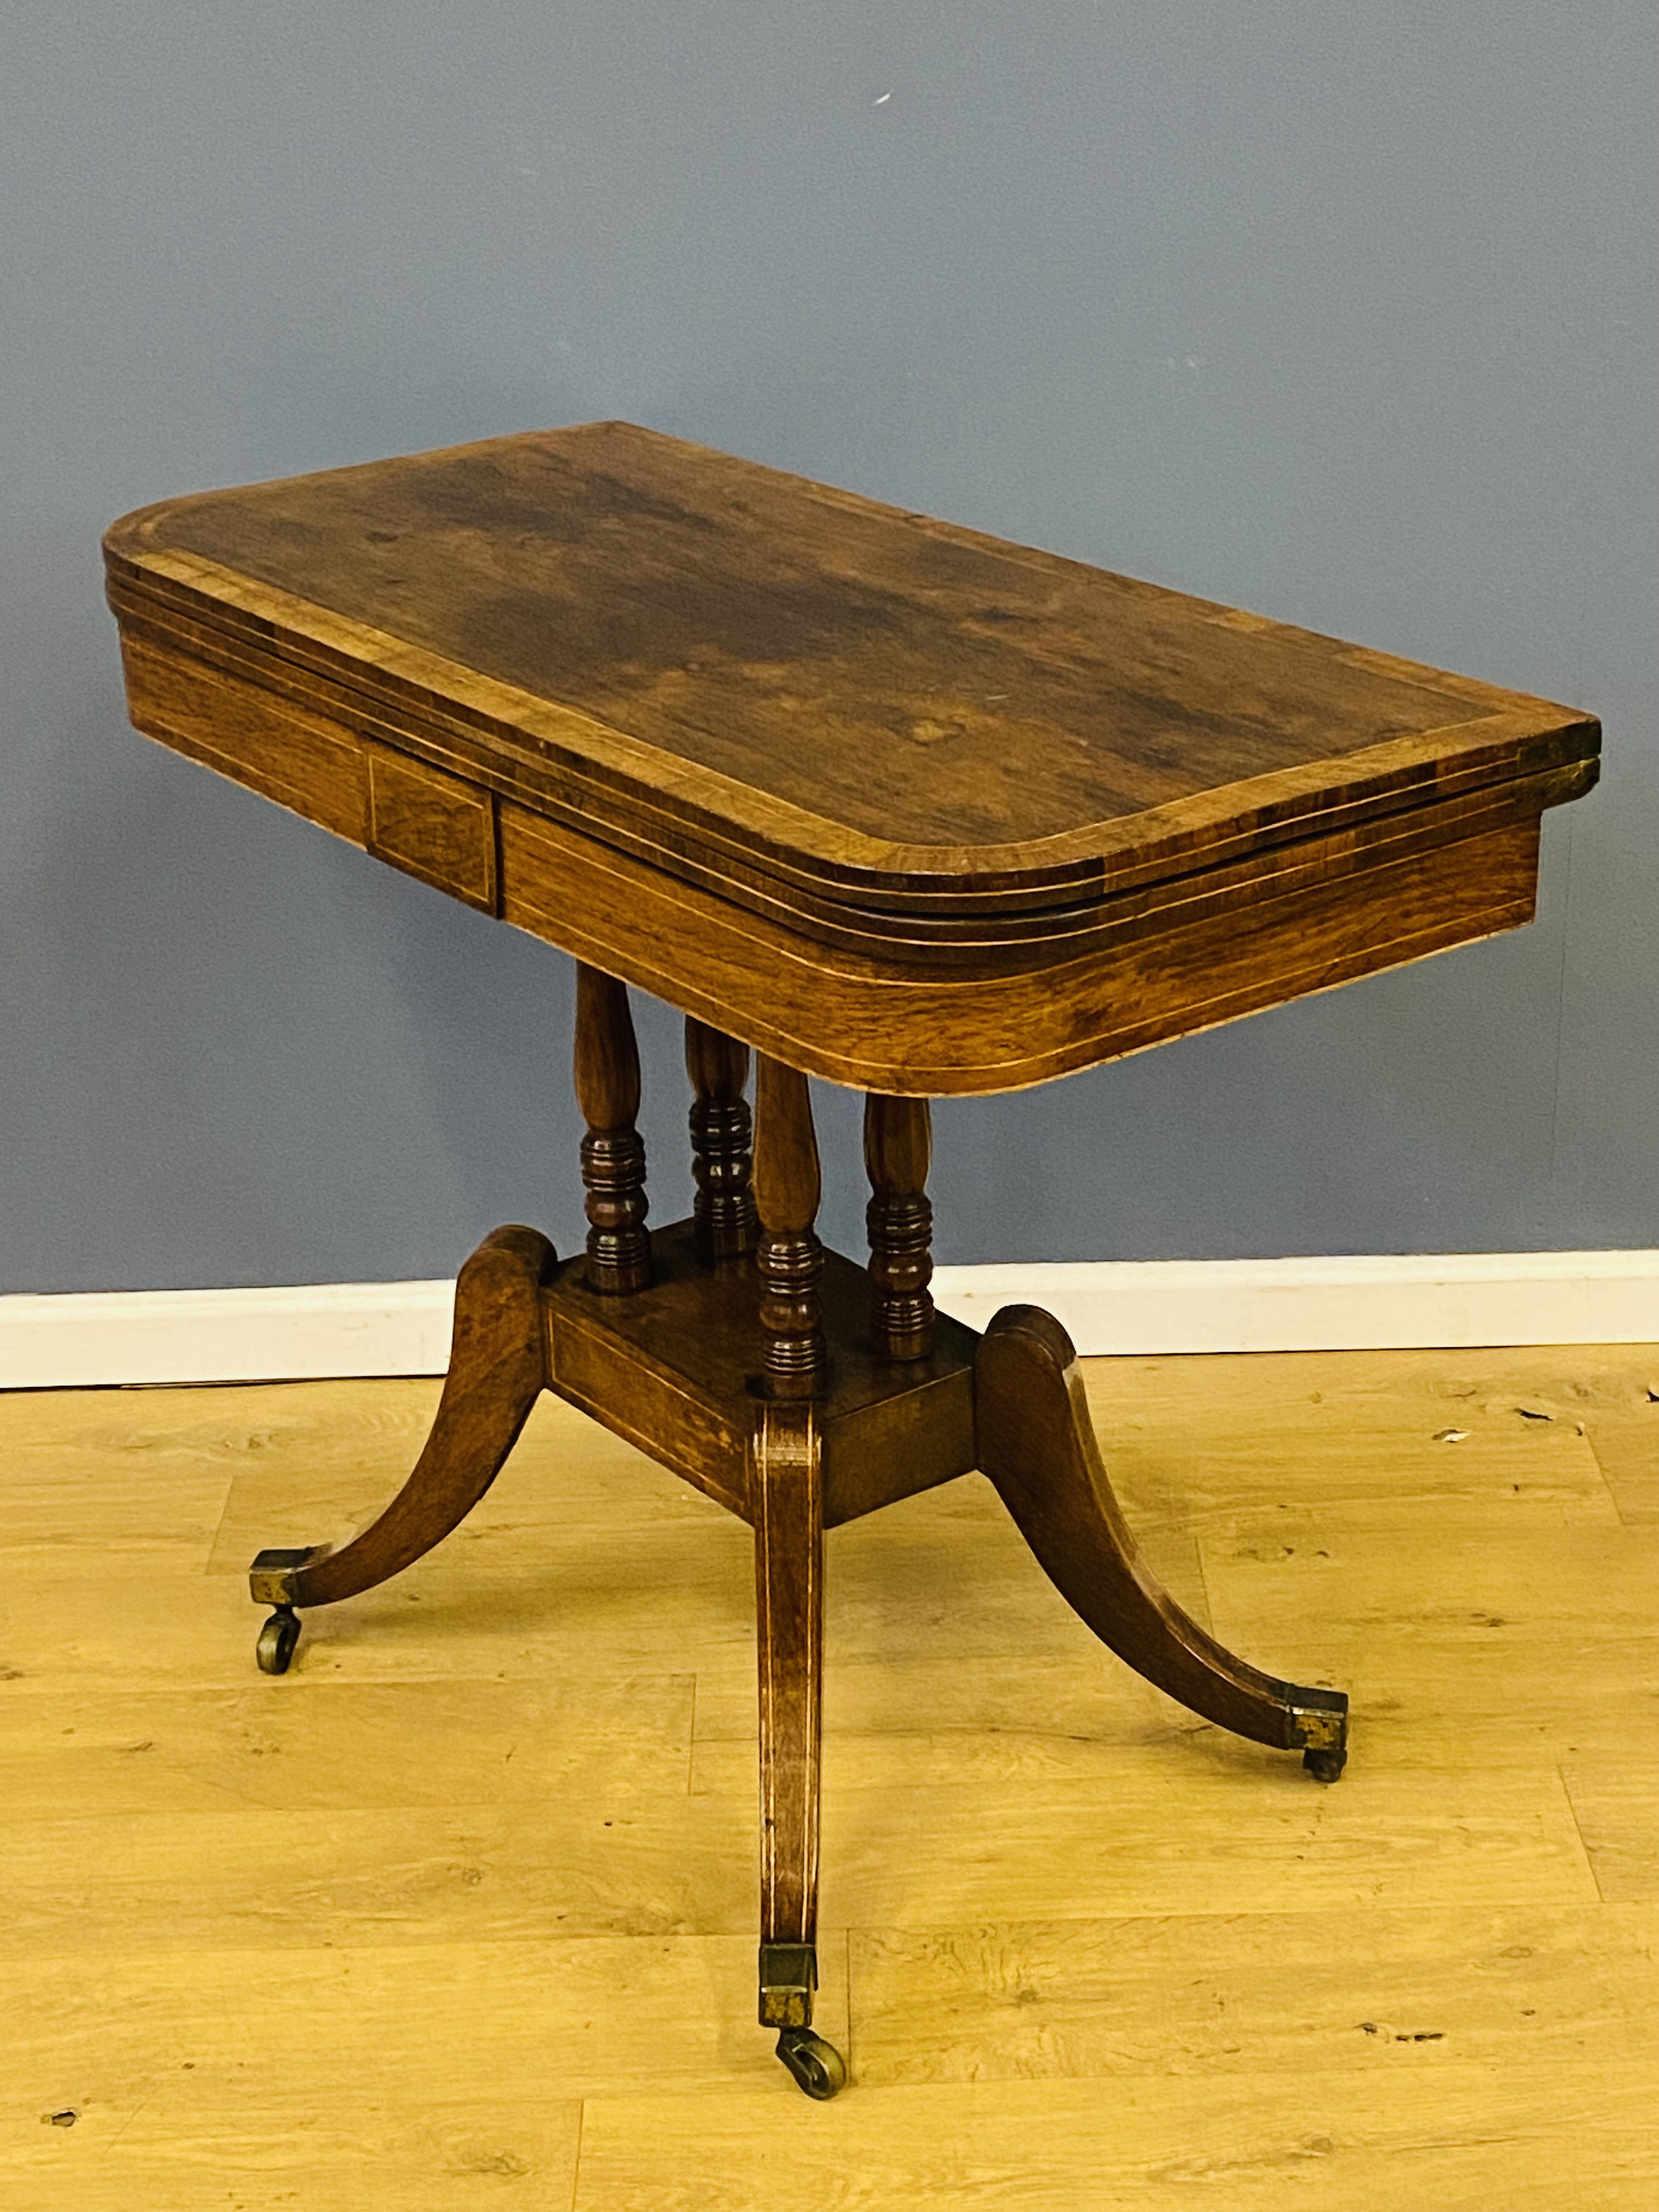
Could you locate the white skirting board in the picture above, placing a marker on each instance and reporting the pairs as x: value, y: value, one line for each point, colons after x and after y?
x: 1141, y: 1307
x: 83, y: 1340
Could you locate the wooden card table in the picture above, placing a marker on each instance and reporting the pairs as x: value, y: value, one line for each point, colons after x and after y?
x: 891, y: 803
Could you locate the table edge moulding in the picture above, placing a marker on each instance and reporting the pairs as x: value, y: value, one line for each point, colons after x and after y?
x: 867, y: 797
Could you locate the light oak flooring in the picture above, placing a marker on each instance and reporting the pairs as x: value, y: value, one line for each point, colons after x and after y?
x: 461, y: 1913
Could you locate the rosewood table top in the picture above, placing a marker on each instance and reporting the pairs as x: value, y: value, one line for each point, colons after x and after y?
x: 902, y: 805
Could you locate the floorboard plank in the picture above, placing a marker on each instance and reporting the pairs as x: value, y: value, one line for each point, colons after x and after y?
x: 358, y: 2152
x: 1274, y: 1996
x: 1447, y: 2138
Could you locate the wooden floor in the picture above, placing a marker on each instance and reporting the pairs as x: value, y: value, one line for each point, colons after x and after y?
x: 461, y: 1911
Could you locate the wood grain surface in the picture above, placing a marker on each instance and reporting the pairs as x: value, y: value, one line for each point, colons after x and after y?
x: 786, y: 1485
x: 899, y: 804
x: 889, y: 1027
x: 674, y: 1368
x: 886, y: 685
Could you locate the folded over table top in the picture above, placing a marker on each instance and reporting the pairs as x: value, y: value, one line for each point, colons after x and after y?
x: 890, y: 710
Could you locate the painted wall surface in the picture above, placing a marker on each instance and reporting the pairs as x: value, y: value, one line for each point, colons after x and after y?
x: 1344, y: 315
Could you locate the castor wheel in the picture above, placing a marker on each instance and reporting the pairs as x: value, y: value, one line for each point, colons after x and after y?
x: 276, y: 1641
x: 818, y: 2066
x: 1326, y: 1763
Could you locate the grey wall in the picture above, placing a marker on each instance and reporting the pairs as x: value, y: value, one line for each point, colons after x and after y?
x: 1340, y: 312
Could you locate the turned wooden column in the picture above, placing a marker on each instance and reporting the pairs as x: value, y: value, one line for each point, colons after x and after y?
x: 724, y: 1213
x: 790, y: 1257
x: 897, y: 1148
x: 613, y: 1151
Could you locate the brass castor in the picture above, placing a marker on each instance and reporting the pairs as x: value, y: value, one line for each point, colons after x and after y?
x: 276, y: 1641
x: 818, y: 2066
x: 1326, y: 1765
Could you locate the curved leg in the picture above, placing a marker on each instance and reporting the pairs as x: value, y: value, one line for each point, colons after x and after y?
x: 1036, y: 1443
x: 497, y: 1368
x: 785, y: 1503
x: 786, y: 1494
